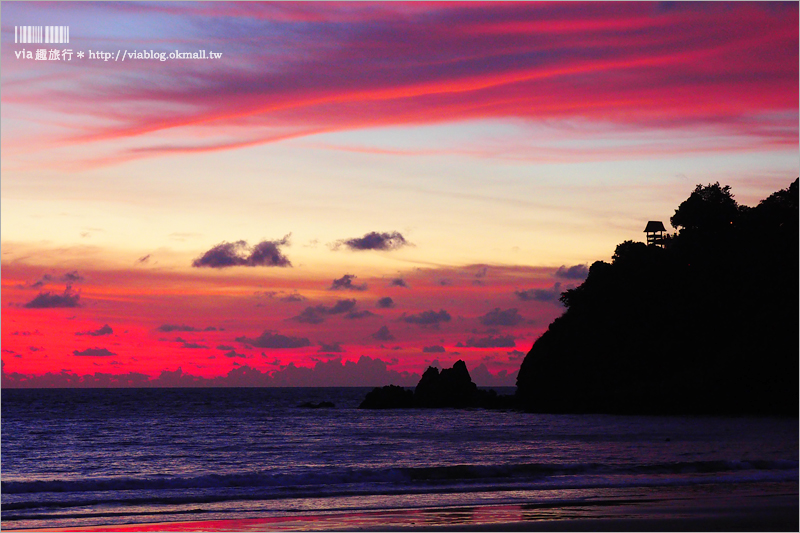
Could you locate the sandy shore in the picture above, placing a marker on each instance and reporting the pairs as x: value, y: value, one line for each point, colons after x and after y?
x: 738, y: 508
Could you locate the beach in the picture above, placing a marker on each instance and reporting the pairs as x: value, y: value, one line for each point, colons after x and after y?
x: 744, y: 508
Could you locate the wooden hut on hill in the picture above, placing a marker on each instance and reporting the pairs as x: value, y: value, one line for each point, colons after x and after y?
x: 655, y: 233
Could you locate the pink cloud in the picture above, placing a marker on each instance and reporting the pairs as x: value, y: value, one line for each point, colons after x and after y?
x: 729, y: 66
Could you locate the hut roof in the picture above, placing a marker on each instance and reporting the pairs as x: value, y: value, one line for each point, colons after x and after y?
x: 654, y: 225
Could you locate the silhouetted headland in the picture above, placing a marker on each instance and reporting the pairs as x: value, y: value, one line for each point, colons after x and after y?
x: 452, y: 387
x: 703, y: 321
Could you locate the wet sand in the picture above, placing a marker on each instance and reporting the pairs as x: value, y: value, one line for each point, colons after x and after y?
x: 739, y: 508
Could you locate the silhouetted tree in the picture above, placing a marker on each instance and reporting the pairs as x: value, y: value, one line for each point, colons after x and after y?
x: 709, y: 207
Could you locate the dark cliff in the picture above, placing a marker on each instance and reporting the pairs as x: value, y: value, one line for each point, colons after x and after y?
x: 706, y: 324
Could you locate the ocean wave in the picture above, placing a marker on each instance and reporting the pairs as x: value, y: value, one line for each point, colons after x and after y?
x: 423, y: 474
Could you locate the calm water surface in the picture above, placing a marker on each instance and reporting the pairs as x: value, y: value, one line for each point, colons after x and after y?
x: 86, y: 457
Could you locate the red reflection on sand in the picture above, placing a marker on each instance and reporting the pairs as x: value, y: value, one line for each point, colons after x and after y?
x: 376, y: 521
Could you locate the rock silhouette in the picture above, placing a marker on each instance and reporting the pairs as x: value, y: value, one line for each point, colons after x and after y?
x: 452, y: 387
x: 706, y: 324
x: 388, y: 397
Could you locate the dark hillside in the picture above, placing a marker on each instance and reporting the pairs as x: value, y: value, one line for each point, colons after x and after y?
x: 706, y: 324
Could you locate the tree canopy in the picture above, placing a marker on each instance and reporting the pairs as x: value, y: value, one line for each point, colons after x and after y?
x: 709, y: 207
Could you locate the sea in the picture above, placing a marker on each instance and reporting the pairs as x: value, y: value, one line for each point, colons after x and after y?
x: 89, y: 457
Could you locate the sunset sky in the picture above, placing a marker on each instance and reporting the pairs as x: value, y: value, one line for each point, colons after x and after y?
x: 354, y: 191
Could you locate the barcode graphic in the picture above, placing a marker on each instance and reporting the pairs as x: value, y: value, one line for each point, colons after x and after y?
x: 41, y: 34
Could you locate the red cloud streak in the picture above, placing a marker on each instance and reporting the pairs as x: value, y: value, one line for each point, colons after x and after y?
x: 336, y: 67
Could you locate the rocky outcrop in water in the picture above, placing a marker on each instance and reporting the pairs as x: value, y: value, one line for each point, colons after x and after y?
x: 451, y: 387
x: 388, y: 397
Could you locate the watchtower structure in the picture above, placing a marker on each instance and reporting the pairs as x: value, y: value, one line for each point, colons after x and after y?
x: 655, y: 233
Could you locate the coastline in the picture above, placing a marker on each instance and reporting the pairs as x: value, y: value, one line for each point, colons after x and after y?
x: 746, y: 507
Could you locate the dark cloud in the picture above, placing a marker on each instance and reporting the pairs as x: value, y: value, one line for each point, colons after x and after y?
x: 444, y: 282
x: 105, y: 330
x: 72, y: 277
x: 143, y: 259
x: 266, y: 253
x: 375, y: 241
x: 27, y: 333
x: 359, y: 314
x: 233, y: 353
x: 311, y: 315
x: 229, y: 254
x: 383, y: 334
x: 496, y: 317
x: 345, y: 283
x: 166, y: 328
x: 66, y: 379
x: 225, y: 347
x: 46, y: 278
x: 540, y: 295
x: 94, y: 352
x: 433, y: 349
x: 515, y: 354
x: 527, y: 295
x: 69, y: 279
x: 499, y: 341
x: 331, y: 373
x: 342, y: 306
x: 193, y: 346
x: 294, y: 297
x: 338, y: 373
x: 428, y: 318
x: 268, y: 294
x: 45, y: 300
x: 277, y: 341
x: 385, y: 303
x: 573, y: 272
x: 332, y: 347
x: 398, y: 282
x: 316, y: 314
